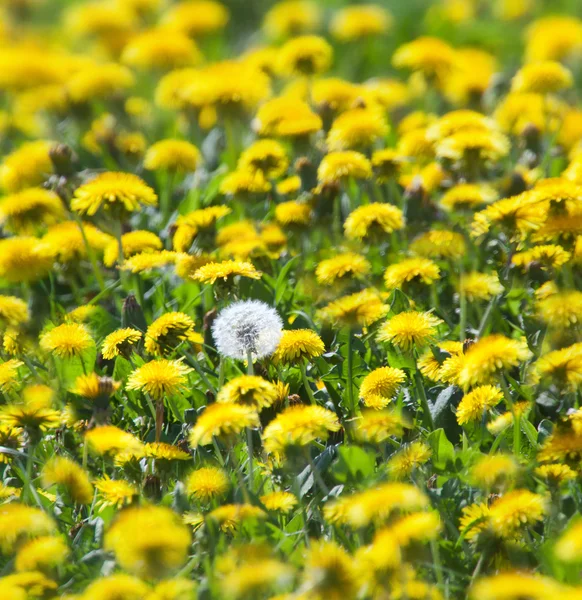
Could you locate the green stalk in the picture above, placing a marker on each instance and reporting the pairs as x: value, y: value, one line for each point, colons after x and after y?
x: 462, y: 309
x: 350, y: 374
x: 306, y: 383
x: 516, y: 418
x: 427, y: 416
x: 91, y: 255
x: 194, y: 362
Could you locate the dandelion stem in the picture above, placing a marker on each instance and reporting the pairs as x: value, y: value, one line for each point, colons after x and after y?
x: 438, y: 567
x: 306, y: 385
x: 250, y: 369
x: 159, y: 419
x: 251, y: 475
x: 91, y: 255
x: 352, y: 408
x: 194, y: 362
x: 516, y: 418
x: 427, y: 416
x: 462, y: 309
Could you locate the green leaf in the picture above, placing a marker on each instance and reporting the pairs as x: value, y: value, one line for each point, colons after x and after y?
x: 282, y: 283
x: 353, y: 465
x: 442, y: 449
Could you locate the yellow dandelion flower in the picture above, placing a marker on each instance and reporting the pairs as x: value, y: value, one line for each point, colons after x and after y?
x: 172, y: 155
x: 375, y: 504
x: 116, y: 587
x: 357, y: 128
x: 373, y: 220
x: 376, y: 426
x: 134, y: 242
x: 18, y: 521
x: 41, y: 554
x: 159, y: 378
x: 341, y: 267
x: 493, y: 470
x: 254, y: 577
x: 267, y: 156
x: 291, y: 17
x: 408, y: 330
x: 147, y: 261
x: 281, y: 502
x: 67, y: 340
x: 474, y: 520
x: 467, y: 195
x: 477, y: 402
x: 290, y: 185
x: 338, y: 166
x: 9, y: 375
x: 298, y: 426
x: 286, y: 117
x: 514, y: 585
x: 13, y: 310
x: 197, y: 17
x: 29, y: 416
x: 358, y: 22
x: 297, y: 345
x: 561, y: 310
x: 109, y: 439
x: 305, y: 55
x: 26, y: 167
x: 562, y: 368
x: 230, y: 516
x: 214, y: 271
x: 148, y: 540
x: 114, y: 492
x: 24, y: 259
x: 439, y: 244
x: 30, y: 209
x: 160, y: 48
x: 431, y: 56
x: 490, y: 356
x: 555, y: 474
x: 480, y: 286
x: 409, y: 458
x: 293, y: 212
x: 169, y: 331
x: 111, y: 190
x: 207, y: 483
x: 93, y: 386
x: 250, y: 390
x: 329, y: 571
x: 222, y: 419
x: 82, y: 314
x: 432, y: 364
x: 419, y: 526
x: 65, y: 473
x: 505, y: 420
x: 542, y: 78
x: 515, y: 510
x: 379, y: 387
x: 548, y: 256
x: 161, y: 451
x: 66, y: 243
x: 411, y: 270
x: 120, y: 343
x: 359, y: 309
x: 244, y: 182
x: 99, y: 81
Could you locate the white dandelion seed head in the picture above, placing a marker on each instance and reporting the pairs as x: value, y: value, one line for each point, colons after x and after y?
x: 247, y: 326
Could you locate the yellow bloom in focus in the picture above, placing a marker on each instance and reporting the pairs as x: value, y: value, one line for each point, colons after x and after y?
x: 411, y: 270
x: 249, y: 390
x: 407, y: 459
x: 160, y: 378
x: 493, y: 471
x: 561, y: 310
x: 305, y: 55
x: 379, y: 387
x: 13, y: 310
x: 291, y: 17
x: 357, y: 22
x: 491, y: 356
x: 439, y: 243
x: 114, y: 492
x: 542, y: 78
x: 9, y: 375
x: 474, y: 520
x: 374, y: 505
x: 373, y: 220
x: 120, y: 343
x: 26, y: 167
x: 357, y: 128
x: 338, y: 166
x: 172, y: 155
x: 548, y: 256
x: 356, y: 310
x: 30, y: 209
x: 64, y: 472
x: 480, y: 286
x: 148, y: 540
x: 123, y: 191
x: 41, y: 554
x: 67, y: 340
x: 197, y: 17
x: 477, y: 402
x: 212, y: 272
x: 329, y: 571
x: 408, y: 330
x: 376, y: 426
x: 281, y: 502
x: 160, y: 48
x: 24, y: 259
x: 515, y: 510
x: 341, y: 267
x: 207, y: 483
x: 431, y: 56
x: 169, y: 331
x: 267, y: 156
x: 297, y: 345
x: 18, y: 522
x: 110, y: 439
x: 134, y: 242
x: 298, y: 426
x: 222, y: 419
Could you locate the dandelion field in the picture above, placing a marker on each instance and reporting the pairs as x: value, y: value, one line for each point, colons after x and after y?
x: 290, y: 300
